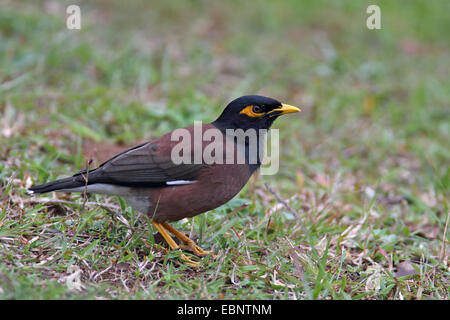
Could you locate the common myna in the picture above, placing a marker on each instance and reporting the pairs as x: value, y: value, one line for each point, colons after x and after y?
x: 169, y: 178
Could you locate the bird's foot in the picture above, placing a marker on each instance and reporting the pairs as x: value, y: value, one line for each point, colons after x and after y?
x: 197, y: 250
x: 184, y: 258
x: 174, y: 246
x: 189, y: 261
x: 188, y: 244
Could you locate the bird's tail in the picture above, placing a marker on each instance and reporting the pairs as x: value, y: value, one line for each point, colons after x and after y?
x: 64, y: 184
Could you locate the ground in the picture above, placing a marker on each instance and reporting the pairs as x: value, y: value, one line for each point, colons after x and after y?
x: 358, y: 210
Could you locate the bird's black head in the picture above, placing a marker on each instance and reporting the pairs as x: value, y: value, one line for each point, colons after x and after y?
x: 252, y: 112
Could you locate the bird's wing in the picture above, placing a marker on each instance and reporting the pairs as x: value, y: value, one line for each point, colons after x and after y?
x: 146, y: 165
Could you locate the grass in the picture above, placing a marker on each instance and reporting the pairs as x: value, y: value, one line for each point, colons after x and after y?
x: 359, y: 209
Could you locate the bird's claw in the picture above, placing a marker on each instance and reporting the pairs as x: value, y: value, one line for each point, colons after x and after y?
x: 191, y: 246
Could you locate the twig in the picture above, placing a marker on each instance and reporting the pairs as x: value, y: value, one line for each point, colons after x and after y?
x: 219, y: 267
x: 59, y: 201
x: 233, y: 275
x: 284, y: 203
x: 298, y: 265
x: 443, y: 247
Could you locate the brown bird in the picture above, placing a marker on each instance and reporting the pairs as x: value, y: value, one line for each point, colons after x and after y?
x: 180, y: 174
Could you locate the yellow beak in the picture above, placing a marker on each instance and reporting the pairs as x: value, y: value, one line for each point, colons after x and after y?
x: 285, y: 108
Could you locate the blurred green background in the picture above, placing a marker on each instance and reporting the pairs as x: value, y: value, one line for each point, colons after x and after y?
x: 373, y: 135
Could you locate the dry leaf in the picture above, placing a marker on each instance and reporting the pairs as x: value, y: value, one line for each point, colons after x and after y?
x: 300, y: 179
x: 73, y: 280
x: 373, y: 282
x: 322, y: 179
x: 370, y: 192
x: 369, y: 104
x: 430, y: 231
x: 411, y: 47
x: 426, y: 230
x: 277, y: 282
x: 405, y: 268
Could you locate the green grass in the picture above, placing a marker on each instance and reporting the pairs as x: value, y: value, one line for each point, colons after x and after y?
x: 364, y: 168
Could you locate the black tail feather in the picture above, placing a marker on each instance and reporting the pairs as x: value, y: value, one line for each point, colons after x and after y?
x: 60, y: 184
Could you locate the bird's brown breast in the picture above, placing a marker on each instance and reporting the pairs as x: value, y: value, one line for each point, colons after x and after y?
x: 216, y: 185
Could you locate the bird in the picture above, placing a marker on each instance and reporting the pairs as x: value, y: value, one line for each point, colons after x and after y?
x: 170, y: 178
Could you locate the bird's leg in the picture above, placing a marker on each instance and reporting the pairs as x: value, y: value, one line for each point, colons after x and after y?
x: 172, y: 243
x: 189, y: 244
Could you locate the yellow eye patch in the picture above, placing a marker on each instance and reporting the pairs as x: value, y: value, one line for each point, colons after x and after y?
x: 249, y: 111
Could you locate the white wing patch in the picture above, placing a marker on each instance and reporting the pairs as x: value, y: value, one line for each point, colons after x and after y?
x: 180, y: 182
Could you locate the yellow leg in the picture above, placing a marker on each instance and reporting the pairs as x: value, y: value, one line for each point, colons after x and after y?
x: 188, y: 243
x: 172, y: 243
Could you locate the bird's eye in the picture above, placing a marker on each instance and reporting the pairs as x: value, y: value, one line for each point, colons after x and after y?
x: 257, y: 109
x: 253, y: 111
